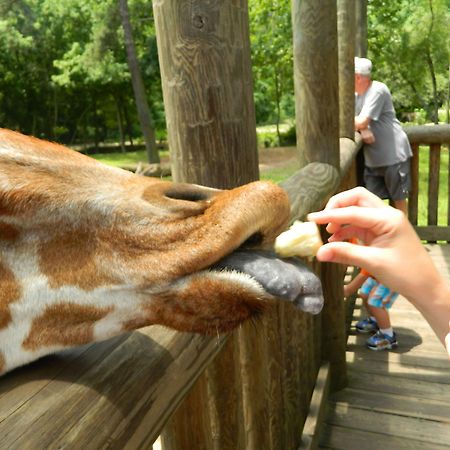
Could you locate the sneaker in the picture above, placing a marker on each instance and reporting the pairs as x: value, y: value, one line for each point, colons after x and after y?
x: 380, y: 341
x: 366, y: 326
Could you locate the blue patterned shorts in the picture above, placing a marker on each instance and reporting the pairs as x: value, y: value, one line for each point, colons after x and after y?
x: 379, y: 296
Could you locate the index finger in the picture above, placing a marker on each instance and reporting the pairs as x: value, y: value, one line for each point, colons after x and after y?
x: 358, y: 196
x: 351, y: 215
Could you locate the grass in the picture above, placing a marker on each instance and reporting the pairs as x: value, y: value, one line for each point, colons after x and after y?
x: 124, y: 159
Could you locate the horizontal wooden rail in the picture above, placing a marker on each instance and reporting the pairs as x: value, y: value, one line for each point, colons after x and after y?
x: 116, y: 394
x: 428, y: 134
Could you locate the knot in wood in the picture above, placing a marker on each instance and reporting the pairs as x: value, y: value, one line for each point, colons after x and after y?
x: 199, y: 21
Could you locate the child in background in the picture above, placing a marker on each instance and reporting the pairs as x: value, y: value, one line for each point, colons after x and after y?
x: 377, y: 299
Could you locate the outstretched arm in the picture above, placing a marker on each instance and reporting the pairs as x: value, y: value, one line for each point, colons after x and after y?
x: 355, y: 284
x: 392, y: 252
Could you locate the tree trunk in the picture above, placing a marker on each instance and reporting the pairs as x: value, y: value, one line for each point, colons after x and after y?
x: 361, y: 28
x: 143, y: 109
x: 120, y: 125
x: 204, y: 54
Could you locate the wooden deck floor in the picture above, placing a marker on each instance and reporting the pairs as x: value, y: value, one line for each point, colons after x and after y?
x: 398, y: 399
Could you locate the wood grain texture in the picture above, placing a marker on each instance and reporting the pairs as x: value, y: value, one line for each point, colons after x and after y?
x: 116, y: 394
x: 433, y: 183
x: 310, y: 187
x: 204, y: 54
x: 346, y: 46
x: 413, y: 200
x: 317, y: 409
x: 316, y: 81
x: 428, y: 134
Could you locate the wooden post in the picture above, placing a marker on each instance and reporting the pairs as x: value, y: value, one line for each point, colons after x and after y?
x: 317, y: 123
x: 204, y: 54
x: 316, y: 81
x: 346, y: 33
x: 361, y: 28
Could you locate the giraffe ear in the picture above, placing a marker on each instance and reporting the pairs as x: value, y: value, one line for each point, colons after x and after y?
x: 288, y: 279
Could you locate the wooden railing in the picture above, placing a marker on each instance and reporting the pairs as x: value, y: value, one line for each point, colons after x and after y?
x: 434, y: 139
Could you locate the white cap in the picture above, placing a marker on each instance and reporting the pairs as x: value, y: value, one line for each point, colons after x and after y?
x: 363, y: 66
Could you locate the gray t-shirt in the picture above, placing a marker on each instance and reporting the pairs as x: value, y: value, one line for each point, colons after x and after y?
x: 391, y: 144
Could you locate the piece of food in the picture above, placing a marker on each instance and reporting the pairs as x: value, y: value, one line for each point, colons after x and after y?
x: 302, y: 239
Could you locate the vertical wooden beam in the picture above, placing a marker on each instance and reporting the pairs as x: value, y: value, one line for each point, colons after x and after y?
x: 316, y: 81
x: 334, y: 338
x: 413, y: 201
x: 433, y: 183
x: 204, y: 55
x: 346, y: 44
x: 361, y: 28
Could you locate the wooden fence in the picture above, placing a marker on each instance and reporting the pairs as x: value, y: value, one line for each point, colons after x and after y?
x: 434, y: 139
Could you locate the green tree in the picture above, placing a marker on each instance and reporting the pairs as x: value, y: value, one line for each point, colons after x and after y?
x: 409, y: 42
x: 271, y: 40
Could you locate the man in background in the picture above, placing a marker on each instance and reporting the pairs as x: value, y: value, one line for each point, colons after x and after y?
x: 387, y: 151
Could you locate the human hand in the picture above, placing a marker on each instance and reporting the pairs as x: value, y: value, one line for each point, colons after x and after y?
x: 367, y: 136
x: 392, y: 252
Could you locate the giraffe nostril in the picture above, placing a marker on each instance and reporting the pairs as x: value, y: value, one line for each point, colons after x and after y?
x: 190, y: 196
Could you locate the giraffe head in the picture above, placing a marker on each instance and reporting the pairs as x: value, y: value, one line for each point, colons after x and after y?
x: 88, y: 251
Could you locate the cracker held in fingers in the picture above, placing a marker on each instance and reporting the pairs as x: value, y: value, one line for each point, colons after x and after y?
x: 301, y: 239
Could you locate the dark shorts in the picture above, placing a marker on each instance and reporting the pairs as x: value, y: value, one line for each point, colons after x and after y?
x: 389, y: 182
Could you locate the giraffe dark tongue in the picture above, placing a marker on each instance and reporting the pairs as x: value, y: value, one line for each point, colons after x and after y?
x: 289, y: 279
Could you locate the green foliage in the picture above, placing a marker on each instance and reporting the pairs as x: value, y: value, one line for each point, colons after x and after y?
x: 63, y: 67
x: 271, y: 42
x: 63, y: 71
x: 409, y: 42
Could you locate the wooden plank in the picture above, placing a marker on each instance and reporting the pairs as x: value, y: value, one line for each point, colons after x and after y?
x: 123, y: 399
x: 433, y: 183
x: 419, y: 389
x: 425, y: 134
x: 433, y: 233
x: 400, y: 405
x: 333, y: 319
x: 313, y: 423
x: 337, y: 437
x: 435, y: 374
x: 413, y: 202
x: 425, y: 431
x: 435, y: 361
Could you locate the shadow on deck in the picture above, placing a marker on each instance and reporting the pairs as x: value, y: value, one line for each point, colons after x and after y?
x: 396, y: 399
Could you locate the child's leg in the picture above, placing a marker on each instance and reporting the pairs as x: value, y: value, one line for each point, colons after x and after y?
x: 368, y: 324
x: 381, y: 315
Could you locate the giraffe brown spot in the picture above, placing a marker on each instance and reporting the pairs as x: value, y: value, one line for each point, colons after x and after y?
x: 64, y: 324
x: 8, y: 232
x: 2, y: 363
x: 10, y: 291
x: 68, y: 259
